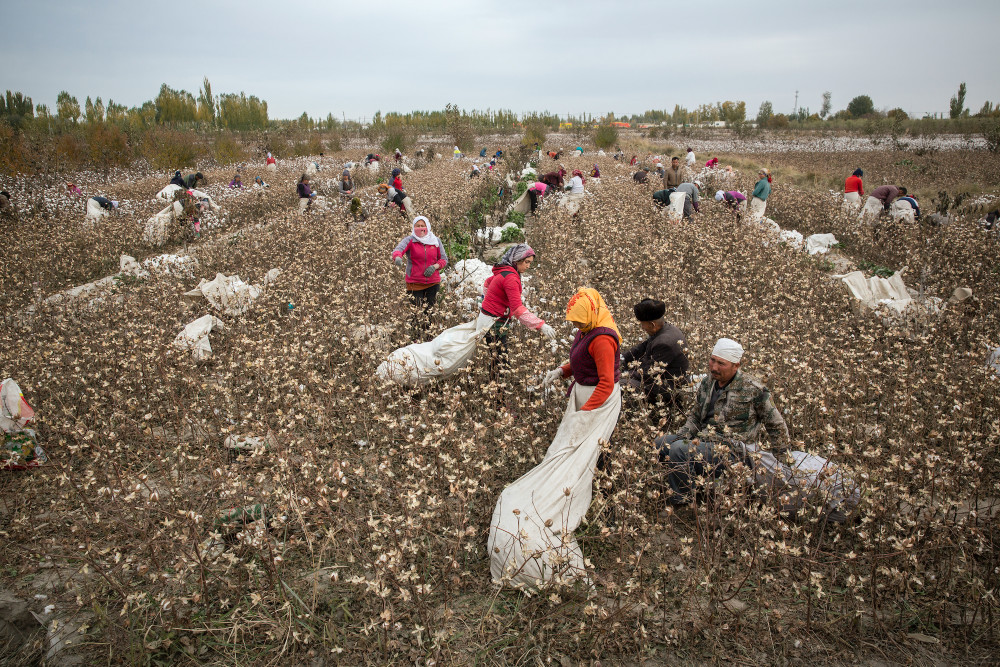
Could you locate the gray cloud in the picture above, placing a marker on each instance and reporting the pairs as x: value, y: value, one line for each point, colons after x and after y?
x: 585, y: 56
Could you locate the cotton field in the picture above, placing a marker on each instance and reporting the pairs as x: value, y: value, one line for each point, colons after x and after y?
x: 229, y: 480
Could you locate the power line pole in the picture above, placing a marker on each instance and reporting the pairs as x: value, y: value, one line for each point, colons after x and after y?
x: 795, y: 109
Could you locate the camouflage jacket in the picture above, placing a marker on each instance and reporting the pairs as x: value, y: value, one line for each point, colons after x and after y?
x: 743, y: 407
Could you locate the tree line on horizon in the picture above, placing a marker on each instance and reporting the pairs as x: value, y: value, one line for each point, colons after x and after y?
x: 239, y: 112
x: 165, y: 130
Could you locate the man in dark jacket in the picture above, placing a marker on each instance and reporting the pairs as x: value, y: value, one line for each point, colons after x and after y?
x: 660, y: 362
x: 192, y: 181
x: 178, y: 180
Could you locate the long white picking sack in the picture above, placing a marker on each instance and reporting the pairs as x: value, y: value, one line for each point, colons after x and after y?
x: 452, y: 349
x: 532, y: 539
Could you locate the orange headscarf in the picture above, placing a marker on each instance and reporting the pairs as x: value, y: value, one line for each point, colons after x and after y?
x: 588, y: 307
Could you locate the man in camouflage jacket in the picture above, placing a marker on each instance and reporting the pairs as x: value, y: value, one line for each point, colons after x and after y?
x: 731, y: 408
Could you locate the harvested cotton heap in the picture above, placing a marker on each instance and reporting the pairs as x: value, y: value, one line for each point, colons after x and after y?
x: 194, y: 337
x: 227, y: 294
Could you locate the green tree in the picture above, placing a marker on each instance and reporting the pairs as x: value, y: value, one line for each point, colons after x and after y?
x: 175, y: 106
x: 988, y: 109
x: 115, y: 112
x: 707, y: 113
x: 239, y: 112
x: 733, y: 113
x: 957, y: 105
x: 206, y: 103
x: 824, y: 111
x: 605, y: 136
x: 67, y: 108
x: 534, y: 130
x: 765, y: 113
x: 94, y: 111
x: 15, y: 108
x: 860, y: 106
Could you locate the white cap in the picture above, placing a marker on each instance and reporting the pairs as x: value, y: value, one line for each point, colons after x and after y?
x: 728, y: 349
x: 720, y: 195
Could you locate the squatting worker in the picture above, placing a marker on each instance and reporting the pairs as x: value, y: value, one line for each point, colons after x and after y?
x: 658, y: 366
x: 641, y: 176
x: 731, y: 408
x: 854, y: 188
x: 672, y: 176
x: 735, y: 200
x: 346, y: 184
x: 593, y: 358
x: 99, y: 206
x: 305, y: 193
x: 910, y: 200
x: 502, y: 300
x: 555, y: 179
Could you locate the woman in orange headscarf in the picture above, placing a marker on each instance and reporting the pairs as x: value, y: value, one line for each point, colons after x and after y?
x: 593, y: 360
x: 531, y: 538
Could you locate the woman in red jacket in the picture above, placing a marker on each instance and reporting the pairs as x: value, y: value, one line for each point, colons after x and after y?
x: 424, y: 258
x: 502, y: 300
x: 594, y: 362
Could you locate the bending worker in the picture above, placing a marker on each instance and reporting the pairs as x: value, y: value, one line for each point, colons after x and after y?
x: 657, y: 366
x: 502, y: 300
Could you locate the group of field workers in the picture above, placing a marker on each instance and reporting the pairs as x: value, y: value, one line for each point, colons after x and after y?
x: 530, y: 540
x: 891, y: 199
x: 682, y: 199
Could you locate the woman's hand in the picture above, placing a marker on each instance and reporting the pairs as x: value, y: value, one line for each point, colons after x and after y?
x: 552, y: 376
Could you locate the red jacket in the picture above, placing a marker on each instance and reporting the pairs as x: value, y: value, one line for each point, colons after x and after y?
x: 503, y: 298
x: 397, y: 183
x: 503, y: 292
x: 418, y: 257
x: 853, y: 184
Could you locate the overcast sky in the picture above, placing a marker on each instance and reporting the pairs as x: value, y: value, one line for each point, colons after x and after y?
x: 354, y: 58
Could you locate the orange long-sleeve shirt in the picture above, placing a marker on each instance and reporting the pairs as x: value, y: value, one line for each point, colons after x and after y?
x: 604, y: 350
